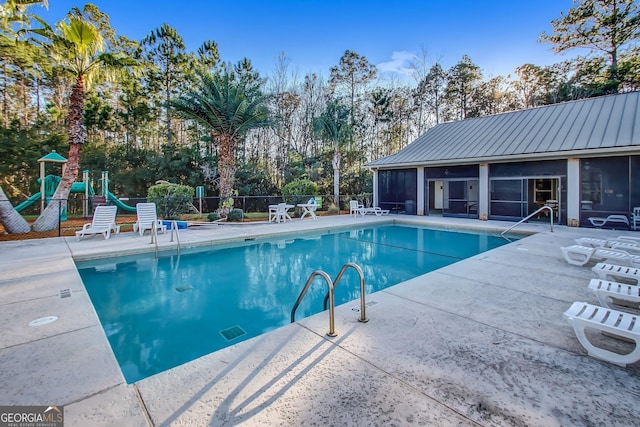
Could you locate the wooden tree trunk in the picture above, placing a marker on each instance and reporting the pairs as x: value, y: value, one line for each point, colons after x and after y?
x: 336, y: 177
x: 227, y: 171
x: 12, y: 221
x: 48, y: 219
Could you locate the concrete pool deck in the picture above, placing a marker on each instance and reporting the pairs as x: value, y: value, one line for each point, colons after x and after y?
x: 481, y: 342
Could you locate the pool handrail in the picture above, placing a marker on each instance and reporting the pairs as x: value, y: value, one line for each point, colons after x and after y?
x: 154, y: 235
x: 529, y: 216
x: 356, y: 267
x: 325, y: 276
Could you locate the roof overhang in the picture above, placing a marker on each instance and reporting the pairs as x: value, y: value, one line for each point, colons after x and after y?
x: 558, y: 155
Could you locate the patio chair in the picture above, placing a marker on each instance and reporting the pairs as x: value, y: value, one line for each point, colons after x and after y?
x: 599, y: 222
x: 581, y: 255
x: 103, y: 222
x: 279, y: 213
x: 618, y: 273
x: 354, y: 207
x: 620, y: 294
x: 612, y: 322
x: 147, y: 217
x: 309, y: 208
x: 635, y: 217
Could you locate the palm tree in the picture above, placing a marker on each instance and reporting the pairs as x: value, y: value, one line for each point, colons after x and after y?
x: 333, y: 126
x: 13, y: 13
x: 11, y: 220
x: 77, y: 47
x: 229, y: 107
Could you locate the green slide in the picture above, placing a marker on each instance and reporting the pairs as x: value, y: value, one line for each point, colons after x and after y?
x: 31, y: 200
x: 119, y: 203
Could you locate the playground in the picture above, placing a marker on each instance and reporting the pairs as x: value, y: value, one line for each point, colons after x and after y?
x: 68, y: 223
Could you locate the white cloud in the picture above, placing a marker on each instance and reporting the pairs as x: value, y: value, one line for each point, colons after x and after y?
x: 400, y: 63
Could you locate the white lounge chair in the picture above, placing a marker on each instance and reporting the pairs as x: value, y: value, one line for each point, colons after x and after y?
x: 621, y: 294
x: 613, y: 219
x: 607, y: 243
x: 103, y: 222
x: 635, y: 217
x: 147, y: 217
x: 618, y: 273
x: 625, y: 325
x: 581, y: 255
x: 373, y: 211
x: 354, y: 207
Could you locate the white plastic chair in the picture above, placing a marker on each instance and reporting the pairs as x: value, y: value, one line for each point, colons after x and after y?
x: 147, y: 216
x: 611, y: 220
x: 618, y: 273
x: 103, y: 222
x: 278, y: 213
x: 581, y: 255
x: 309, y: 208
x: 355, y: 207
x: 614, y: 293
x: 615, y: 323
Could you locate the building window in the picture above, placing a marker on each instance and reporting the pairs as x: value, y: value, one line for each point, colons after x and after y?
x: 604, y: 187
x: 398, y: 190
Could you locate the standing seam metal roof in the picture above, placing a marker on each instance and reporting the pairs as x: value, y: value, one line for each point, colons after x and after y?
x: 594, y: 123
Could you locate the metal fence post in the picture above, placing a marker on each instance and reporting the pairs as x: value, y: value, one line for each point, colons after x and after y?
x: 59, y: 218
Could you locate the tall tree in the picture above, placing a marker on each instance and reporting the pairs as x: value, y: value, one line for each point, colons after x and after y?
x: 604, y: 26
x: 353, y: 72
x: 165, y: 49
x: 228, y: 106
x: 462, y: 79
x: 492, y: 97
x: 77, y: 47
x: 529, y: 84
x: 333, y: 126
x: 433, y: 87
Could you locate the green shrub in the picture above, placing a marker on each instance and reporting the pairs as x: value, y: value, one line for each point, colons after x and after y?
x: 333, y: 209
x: 235, y: 215
x: 172, y: 200
x: 213, y: 216
x: 299, y: 187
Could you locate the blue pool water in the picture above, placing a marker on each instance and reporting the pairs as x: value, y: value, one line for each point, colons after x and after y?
x: 162, y: 312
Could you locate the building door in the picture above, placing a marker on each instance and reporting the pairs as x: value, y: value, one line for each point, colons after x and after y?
x: 453, y: 197
x: 544, y: 192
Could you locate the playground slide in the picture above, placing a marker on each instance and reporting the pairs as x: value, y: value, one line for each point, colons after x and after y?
x: 76, y: 187
x: 31, y: 200
x: 119, y: 203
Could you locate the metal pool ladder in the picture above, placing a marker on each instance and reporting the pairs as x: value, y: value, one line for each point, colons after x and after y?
x: 330, y: 295
x: 154, y: 235
x: 545, y: 207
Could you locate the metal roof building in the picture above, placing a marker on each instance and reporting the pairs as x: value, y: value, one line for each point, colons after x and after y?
x: 581, y: 156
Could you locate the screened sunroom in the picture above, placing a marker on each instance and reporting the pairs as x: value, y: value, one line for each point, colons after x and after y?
x: 580, y: 158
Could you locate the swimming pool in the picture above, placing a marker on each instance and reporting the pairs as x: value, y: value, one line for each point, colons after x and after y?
x: 161, y: 312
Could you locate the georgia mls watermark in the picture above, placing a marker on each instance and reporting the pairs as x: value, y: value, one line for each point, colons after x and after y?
x: 31, y: 416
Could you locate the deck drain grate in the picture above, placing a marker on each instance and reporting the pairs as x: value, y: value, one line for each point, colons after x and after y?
x: 65, y: 293
x: 233, y: 332
x: 43, y: 321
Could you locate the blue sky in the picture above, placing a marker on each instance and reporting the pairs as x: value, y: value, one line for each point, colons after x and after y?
x: 498, y: 35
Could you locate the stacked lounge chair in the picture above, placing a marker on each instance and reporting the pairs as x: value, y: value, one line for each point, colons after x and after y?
x: 618, y: 314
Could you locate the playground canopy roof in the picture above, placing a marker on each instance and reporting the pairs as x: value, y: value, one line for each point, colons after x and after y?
x: 53, y: 157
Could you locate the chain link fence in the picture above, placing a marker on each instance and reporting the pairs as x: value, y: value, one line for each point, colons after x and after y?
x: 75, y: 211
